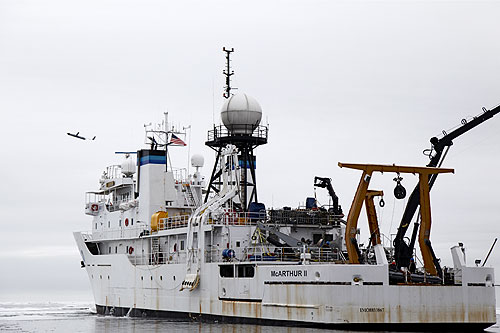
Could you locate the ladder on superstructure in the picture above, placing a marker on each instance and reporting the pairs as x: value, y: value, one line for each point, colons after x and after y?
x: 191, y: 199
x: 155, y: 250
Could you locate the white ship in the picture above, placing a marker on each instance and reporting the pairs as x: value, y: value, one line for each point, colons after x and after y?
x: 166, y: 243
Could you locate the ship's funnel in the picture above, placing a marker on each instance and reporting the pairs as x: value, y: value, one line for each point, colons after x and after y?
x: 151, y: 183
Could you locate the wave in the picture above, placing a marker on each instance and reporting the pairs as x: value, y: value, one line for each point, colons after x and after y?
x: 43, y: 311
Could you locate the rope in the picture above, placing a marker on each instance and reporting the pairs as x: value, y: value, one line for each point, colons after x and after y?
x: 393, y: 209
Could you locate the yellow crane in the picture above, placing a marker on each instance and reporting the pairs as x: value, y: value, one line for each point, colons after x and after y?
x: 425, y: 208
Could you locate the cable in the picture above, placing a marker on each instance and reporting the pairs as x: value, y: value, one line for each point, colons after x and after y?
x: 393, y: 209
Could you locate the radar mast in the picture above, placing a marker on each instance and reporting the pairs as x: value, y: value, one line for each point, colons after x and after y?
x: 228, y: 73
x: 241, y: 115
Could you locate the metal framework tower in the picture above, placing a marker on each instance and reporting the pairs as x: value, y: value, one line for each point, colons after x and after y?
x: 246, y: 137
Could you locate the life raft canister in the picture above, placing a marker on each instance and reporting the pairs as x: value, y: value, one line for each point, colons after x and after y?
x: 126, y: 222
x: 130, y: 250
x: 94, y: 207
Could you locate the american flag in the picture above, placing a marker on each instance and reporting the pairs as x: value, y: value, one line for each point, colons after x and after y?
x: 176, y: 141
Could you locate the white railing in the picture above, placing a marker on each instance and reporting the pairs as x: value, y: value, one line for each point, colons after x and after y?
x: 229, y: 218
x: 287, y: 254
x: 113, y: 171
x: 180, y: 175
x: 254, y: 254
x: 239, y: 218
x: 158, y: 258
x: 119, y: 233
x: 173, y: 222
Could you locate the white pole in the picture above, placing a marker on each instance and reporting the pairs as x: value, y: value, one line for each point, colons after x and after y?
x: 165, y: 129
x: 189, y: 149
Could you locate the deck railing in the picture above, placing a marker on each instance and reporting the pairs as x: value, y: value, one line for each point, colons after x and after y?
x: 285, y: 254
x: 117, y: 233
x: 304, y: 217
x: 229, y: 218
x: 173, y: 222
x: 239, y: 218
x: 158, y: 258
x: 288, y: 254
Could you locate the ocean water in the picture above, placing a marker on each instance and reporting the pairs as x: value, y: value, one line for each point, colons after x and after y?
x: 81, y: 317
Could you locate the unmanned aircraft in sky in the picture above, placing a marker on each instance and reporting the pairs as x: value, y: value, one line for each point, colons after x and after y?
x: 79, y: 137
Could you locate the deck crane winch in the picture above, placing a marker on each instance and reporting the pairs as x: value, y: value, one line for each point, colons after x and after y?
x: 327, y: 183
x: 403, y: 251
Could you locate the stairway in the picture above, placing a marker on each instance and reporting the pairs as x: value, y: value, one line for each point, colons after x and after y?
x: 191, y: 199
x: 155, y: 250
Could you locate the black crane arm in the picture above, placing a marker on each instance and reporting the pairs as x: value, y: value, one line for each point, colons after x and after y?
x: 327, y: 183
x: 447, y: 139
x: 403, y: 252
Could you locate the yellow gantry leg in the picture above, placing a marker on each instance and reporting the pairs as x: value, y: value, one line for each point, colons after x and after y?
x: 372, y: 216
x: 352, y: 218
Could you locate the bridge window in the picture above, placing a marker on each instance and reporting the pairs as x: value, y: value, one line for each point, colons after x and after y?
x: 246, y: 271
x: 226, y: 271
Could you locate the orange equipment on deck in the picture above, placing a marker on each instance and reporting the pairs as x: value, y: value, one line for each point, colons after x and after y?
x: 425, y: 208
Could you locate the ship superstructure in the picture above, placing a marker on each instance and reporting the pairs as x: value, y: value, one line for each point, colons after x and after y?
x: 168, y: 243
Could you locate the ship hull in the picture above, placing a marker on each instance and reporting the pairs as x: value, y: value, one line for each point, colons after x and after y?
x: 211, y: 318
x: 311, y: 295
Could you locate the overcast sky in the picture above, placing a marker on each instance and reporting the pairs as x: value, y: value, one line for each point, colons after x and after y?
x: 349, y: 81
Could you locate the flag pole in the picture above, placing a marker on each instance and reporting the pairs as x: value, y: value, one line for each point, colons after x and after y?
x: 166, y: 140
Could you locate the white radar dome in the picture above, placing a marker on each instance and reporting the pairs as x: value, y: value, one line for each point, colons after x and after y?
x: 241, y: 114
x: 197, y: 161
x: 128, y: 166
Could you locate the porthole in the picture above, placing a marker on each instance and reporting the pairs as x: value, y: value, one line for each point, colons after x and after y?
x: 100, y: 276
x: 161, y: 277
x: 108, y: 277
x: 174, y: 277
x: 151, y: 278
